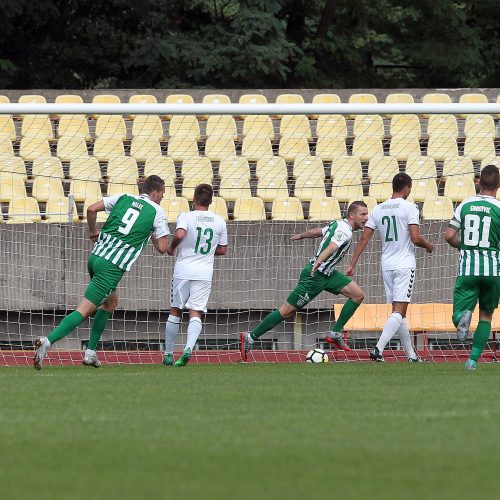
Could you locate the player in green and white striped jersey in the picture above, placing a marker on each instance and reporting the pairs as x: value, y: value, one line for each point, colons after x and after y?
x: 132, y: 221
x: 475, y: 231
x: 320, y: 274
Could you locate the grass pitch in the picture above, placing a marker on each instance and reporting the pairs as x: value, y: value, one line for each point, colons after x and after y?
x: 267, y: 431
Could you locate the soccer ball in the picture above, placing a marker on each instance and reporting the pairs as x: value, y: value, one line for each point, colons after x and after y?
x: 317, y: 356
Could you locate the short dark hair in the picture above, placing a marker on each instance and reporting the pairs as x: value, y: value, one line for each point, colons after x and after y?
x: 490, y: 177
x: 400, y: 181
x: 353, y: 207
x: 153, y: 183
x: 203, y: 194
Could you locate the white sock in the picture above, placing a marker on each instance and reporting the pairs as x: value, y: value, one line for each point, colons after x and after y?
x: 404, y: 336
x: 171, y: 331
x: 90, y: 352
x: 194, y: 330
x: 390, y: 328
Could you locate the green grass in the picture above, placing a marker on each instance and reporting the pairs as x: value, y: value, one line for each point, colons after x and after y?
x: 270, y: 431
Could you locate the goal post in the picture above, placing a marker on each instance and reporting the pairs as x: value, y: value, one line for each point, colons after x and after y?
x: 276, y: 169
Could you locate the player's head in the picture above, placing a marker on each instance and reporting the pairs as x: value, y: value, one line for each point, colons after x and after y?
x: 154, y: 187
x: 490, y: 178
x: 203, y: 195
x: 401, y: 184
x: 357, y: 214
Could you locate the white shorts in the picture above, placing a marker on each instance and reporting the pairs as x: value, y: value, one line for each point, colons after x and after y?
x: 190, y: 294
x: 399, y: 284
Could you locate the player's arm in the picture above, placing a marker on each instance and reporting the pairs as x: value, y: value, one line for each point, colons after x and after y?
x: 324, y: 256
x: 92, y: 211
x: 311, y: 233
x: 363, y: 241
x: 176, y: 240
x: 452, y: 237
x: 160, y: 244
x: 418, y: 240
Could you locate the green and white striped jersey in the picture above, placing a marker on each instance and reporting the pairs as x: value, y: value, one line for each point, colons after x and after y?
x: 132, y: 221
x: 478, y: 220
x: 339, y: 232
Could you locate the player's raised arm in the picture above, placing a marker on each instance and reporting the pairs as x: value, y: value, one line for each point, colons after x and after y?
x: 311, y: 233
x: 418, y: 240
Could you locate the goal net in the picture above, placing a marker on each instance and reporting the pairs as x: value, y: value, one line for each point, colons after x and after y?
x: 276, y: 170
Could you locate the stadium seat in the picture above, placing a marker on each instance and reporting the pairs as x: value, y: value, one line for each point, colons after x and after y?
x: 308, y: 187
x: 7, y: 128
x: 271, y: 165
x: 479, y: 148
x: 6, y: 148
x: 214, y: 99
x: 162, y: 166
x: 38, y: 126
x: 249, y: 209
x: 128, y: 187
x: 458, y: 165
x: 104, y: 99
x: 435, y: 98
x: 58, y: 211
x: 85, y: 168
x: 32, y: 98
x: 324, y: 99
x: 34, y: 147
x: 83, y: 190
x: 480, y: 134
x: 4, y: 99
x: 122, y: 169
x: 23, y: 211
x: 347, y: 176
x: 368, y: 134
x: 420, y: 167
x: 399, y: 98
x: 178, y: 99
x: 442, y: 147
x: 472, y: 99
x: 48, y: 167
x: 331, y: 126
x: 179, y: 148
x: 111, y: 126
x: 295, y: 126
x: 74, y: 126
x: 254, y: 148
x: 289, y: 99
x: 439, y: 208
x: 424, y: 188
x: 142, y: 99
x: 234, y: 173
x: 69, y: 148
x: 45, y: 188
x: 253, y: 99
x: 106, y: 148
x: 371, y: 202
x: 101, y: 216
x: 459, y: 188
x: 147, y: 127
x: 368, y: 317
x: 292, y: 147
x: 260, y: 126
x: 405, y: 126
x: 142, y: 148
x: 324, y: 208
x: 173, y: 207
x: 218, y: 148
x: 442, y: 126
x: 184, y: 126
x: 13, y: 165
x: 330, y: 148
x: 11, y: 186
x: 195, y: 170
x: 219, y: 207
x: 403, y: 148
x: 221, y: 126
x: 361, y: 98
x: 381, y: 170
x: 287, y: 209
x: 308, y: 166
x: 67, y: 99
x: 272, y: 186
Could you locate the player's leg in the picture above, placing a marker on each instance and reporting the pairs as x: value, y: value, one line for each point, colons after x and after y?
x: 179, y: 294
x: 465, y: 296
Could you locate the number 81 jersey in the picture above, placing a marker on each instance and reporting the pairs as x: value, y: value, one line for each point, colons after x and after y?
x: 204, y: 232
x: 131, y: 222
x: 478, y: 220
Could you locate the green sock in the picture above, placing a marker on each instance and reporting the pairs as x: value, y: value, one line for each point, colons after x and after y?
x: 347, y: 311
x: 66, y: 326
x: 100, y: 319
x: 270, y: 321
x: 481, y: 336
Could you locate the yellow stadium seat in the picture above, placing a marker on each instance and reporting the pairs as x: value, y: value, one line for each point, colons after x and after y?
x: 368, y: 317
x: 178, y: 99
x: 324, y: 208
x: 249, y: 209
x: 60, y: 211
x: 254, y: 148
x: 48, y: 167
x: 45, y: 188
x: 6, y: 148
x: 272, y: 186
x: 184, y: 126
x: 236, y: 166
x: 324, y: 99
x: 85, y: 189
x: 122, y: 168
x: 147, y: 127
x: 435, y: 98
x: 331, y: 126
x: 479, y: 148
x: 308, y: 187
x: 295, y: 126
x: 142, y: 99
x: 442, y: 126
x: 68, y: 99
x: 361, y: 98
x: 480, y: 134
x: 271, y: 165
x: 142, y: 148
x: 105, y: 99
x: 419, y: 167
x: 292, y: 147
x: 403, y: 148
x: 85, y: 168
x: 308, y: 166
x: 163, y: 166
x: 399, y: 98
x: 458, y: 165
x: 74, y: 126
x: 127, y: 187
x: 101, y: 216
x: 106, y: 148
x: 219, y: 207
x: 232, y: 188
x: 439, y: 208
x: 196, y: 170
x: 405, y: 126
x: 289, y: 99
x: 218, y: 148
x: 11, y: 186
x: 214, y: 99
x: 253, y: 99
x: 424, y: 188
x: 381, y: 170
x: 347, y: 175
x: 37, y: 126
x: 34, y: 147
x: 7, y: 128
x: 69, y: 148
x: 472, y: 99
x: 23, y: 211
x: 368, y: 134
x: 287, y: 209
x: 221, y: 126
x: 370, y: 202
x: 258, y: 126
x: 4, y: 99
x: 32, y: 98
x: 173, y: 207
x: 459, y: 188
x: 111, y: 126
x: 13, y: 165
x: 442, y: 147
x: 179, y: 148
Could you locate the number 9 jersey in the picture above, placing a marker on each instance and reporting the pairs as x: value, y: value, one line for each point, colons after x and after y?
x: 204, y: 232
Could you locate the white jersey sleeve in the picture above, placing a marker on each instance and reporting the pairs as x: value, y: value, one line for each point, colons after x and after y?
x: 160, y: 224
x: 110, y: 202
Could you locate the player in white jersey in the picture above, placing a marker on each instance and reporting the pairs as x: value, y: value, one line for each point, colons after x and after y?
x: 397, y: 221
x: 199, y: 235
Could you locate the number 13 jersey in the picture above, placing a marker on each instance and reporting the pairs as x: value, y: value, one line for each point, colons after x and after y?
x: 392, y: 218
x: 204, y: 231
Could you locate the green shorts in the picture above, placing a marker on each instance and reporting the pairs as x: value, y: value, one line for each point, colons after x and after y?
x: 105, y: 277
x: 309, y: 287
x: 468, y: 289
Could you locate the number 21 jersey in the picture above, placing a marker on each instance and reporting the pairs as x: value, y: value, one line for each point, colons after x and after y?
x: 204, y: 231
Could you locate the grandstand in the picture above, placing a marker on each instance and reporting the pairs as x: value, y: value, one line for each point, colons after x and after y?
x: 273, y: 175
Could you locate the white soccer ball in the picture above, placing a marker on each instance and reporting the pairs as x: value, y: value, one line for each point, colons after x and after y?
x: 317, y: 356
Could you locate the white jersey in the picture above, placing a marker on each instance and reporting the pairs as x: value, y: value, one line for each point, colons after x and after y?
x: 392, y: 218
x: 204, y: 231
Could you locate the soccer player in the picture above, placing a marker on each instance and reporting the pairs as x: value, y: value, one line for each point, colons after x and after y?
x: 200, y: 235
x: 475, y: 230
x: 397, y: 221
x: 318, y: 275
x: 132, y: 221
